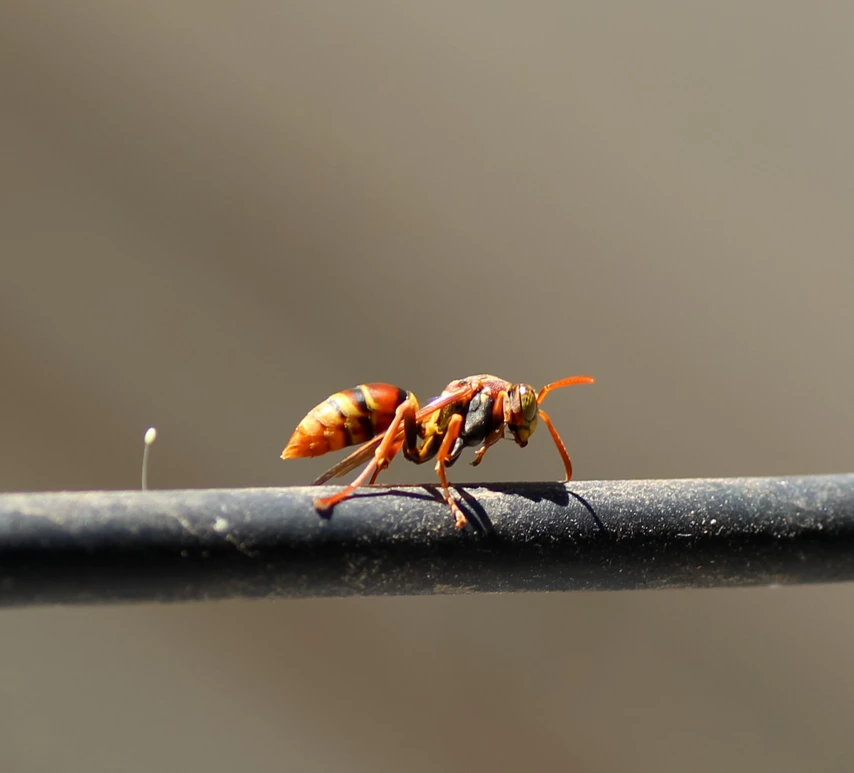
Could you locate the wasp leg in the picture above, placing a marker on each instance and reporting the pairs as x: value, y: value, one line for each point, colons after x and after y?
x: 383, y: 464
x: 498, y: 422
x: 451, y: 434
x: 382, y: 458
x: 491, y: 440
x: 426, y: 451
x: 559, y: 443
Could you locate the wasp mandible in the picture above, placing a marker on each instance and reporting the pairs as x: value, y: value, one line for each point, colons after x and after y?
x: 473, y: 411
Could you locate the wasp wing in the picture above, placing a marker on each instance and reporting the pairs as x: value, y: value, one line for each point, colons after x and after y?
x: 365, y: 451
x: 361, y: 455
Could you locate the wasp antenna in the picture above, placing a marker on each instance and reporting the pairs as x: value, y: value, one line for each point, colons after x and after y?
x: 564, y: 382
x: 150, y: 437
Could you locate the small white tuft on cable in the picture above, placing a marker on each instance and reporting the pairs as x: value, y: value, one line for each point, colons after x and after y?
x: 150, y: 437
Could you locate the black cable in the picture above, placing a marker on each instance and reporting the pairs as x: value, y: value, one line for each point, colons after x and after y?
x: 205, y: 544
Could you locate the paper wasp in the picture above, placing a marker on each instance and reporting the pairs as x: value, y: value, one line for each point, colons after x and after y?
x: 473, y: 411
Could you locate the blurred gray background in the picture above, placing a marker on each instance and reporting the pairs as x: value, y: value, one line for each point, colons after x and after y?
x: 215, y: 214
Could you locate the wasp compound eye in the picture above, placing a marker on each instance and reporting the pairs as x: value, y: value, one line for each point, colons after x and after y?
x: 528, y: 399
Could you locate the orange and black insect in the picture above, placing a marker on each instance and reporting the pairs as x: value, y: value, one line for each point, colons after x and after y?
x: 385, y: 419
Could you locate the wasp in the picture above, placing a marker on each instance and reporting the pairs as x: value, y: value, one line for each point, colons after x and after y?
x: 384, y: 419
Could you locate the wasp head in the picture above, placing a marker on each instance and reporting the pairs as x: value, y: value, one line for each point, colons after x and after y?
x: 520, y: 412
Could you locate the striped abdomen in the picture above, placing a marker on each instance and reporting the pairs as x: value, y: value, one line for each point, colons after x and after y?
x: 345, y: 419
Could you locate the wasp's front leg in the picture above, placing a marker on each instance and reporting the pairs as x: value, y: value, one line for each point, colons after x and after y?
x: 498, y: 422
x: 491, y: 440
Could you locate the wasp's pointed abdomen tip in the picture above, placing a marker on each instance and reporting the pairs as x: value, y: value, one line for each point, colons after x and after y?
x: 294, y: 448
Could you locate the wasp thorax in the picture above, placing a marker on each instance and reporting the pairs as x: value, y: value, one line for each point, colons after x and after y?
x: 521, y: 413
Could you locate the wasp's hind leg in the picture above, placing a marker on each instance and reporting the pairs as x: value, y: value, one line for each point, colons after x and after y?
x: 386, y: 462
x: 385, y: 452
x: 412, y: 449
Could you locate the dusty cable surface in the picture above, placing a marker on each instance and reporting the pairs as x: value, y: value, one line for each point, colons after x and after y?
x: 91, y: 547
